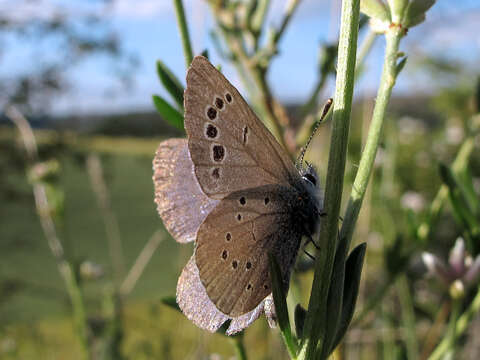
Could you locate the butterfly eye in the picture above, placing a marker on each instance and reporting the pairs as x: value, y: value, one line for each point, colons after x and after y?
x: 310, y: 178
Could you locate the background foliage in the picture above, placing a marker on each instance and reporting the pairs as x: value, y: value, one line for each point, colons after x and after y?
x: 423, y: 196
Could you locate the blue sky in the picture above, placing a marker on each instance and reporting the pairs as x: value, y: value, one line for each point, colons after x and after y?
x: 148, y: 28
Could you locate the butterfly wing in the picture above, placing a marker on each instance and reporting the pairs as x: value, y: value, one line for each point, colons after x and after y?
x: 197, y: 307
x: 180, y: 201
x: 230, y: 147
x: 235, y: 239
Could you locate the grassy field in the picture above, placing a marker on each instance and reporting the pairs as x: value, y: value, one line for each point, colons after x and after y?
x: 35, y: 313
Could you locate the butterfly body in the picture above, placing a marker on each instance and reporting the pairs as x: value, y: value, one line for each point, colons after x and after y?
x: 256, y: 201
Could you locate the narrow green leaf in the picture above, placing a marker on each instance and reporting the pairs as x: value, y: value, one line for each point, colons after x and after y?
x: 168, y: 112
x: 280, y: 301
x: 465, y: 180
x: 353, y: 272
x: 170, y: 301
x: 300, y: 314
x: 460, y: 205
x: 335, y: 298
x: 258, y: 18
x: 171, y: 83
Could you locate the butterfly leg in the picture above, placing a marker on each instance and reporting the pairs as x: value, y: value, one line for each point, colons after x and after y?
x: 309, y: 255
x: 310, y: 240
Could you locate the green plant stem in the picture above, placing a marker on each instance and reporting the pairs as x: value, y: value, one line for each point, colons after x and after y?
x: 315, y: 322
x: 461, y: 325
x: 408, y: 317
x: 237, y: 342
x: 65, y: 268
x: 291, y: 6
x: 184, y: 34
x: 448, y: 342
x: 389, y: 75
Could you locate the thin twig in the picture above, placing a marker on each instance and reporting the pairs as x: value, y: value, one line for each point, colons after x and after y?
x: 48, y: 226
x: 100, y: 189
x: 141, y: 262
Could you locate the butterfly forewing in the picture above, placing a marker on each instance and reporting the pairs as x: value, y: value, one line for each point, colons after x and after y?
x: 235, y: 239
x: 230, y: 148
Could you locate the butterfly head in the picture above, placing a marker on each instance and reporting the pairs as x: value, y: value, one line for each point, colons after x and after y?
x: 314, y: 201
x: 309, y: 175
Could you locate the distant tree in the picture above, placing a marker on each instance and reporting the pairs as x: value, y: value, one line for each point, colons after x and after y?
x: 57, y: 37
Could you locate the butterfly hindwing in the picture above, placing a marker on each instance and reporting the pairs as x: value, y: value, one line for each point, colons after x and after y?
x: 230, y: 147
x: 235, y: 239
x: 177, y: 191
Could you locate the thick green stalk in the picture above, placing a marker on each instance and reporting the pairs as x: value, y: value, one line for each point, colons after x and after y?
x: 184, y: 34
x: 389, y: 75
x: 315, y: 322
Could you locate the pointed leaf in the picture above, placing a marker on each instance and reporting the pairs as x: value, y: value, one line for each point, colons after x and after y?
x: 280, y: 301
x: 171, y: 83
x: 168, y: 112
x: 415, y: 12
x: 353, y: 272
x: 401, y: 65
x: 300, y: 314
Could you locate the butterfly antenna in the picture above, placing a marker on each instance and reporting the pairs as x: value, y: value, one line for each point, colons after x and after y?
x: 325, y: 111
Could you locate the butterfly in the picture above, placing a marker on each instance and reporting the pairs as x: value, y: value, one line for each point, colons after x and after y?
x: 232, y: 189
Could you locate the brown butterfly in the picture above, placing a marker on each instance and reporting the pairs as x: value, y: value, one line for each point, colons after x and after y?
x: 232, y: 189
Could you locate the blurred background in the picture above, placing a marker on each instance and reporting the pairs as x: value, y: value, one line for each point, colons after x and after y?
x: 83, y: 72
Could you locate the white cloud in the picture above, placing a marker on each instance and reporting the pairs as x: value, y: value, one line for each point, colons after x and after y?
x: 141, y: 8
